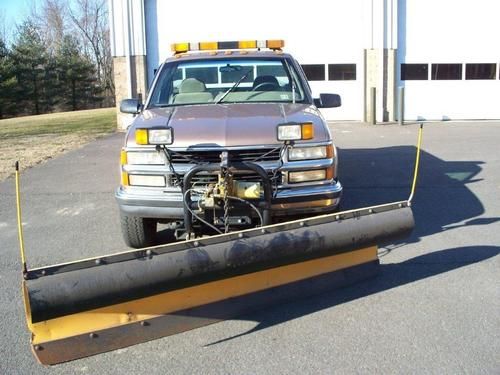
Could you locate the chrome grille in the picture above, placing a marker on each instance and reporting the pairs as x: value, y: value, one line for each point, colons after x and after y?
x: 203, y: 179
x: 193, y: 157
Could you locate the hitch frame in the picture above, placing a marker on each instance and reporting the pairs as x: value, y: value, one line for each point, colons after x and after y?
x: 232, y: 168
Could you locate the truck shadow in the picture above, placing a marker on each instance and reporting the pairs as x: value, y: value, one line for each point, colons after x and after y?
x: 442, y: 201
x: 391, y: 276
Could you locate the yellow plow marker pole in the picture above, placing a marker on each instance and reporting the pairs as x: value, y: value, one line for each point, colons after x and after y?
x: 19, y: 221
x: 417, y: 162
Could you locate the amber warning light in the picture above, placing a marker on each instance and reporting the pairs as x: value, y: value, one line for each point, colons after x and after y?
x: 242, y: 44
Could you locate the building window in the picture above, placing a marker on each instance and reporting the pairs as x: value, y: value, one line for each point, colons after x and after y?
x: 414, y: 72
x: 314, y: 72
x: 480, y: 71
x: 341, y: 72
x: 446, y: 71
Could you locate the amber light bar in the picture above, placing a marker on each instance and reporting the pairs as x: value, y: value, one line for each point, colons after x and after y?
x: 241, y: 44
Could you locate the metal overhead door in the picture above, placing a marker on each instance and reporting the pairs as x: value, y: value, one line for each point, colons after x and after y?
x: 448, y: 64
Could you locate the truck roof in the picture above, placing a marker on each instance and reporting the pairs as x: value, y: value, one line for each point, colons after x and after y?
x: 226, y: 54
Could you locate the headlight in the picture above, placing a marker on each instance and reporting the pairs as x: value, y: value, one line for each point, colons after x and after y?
x: 145, y: 158
x: 307, y: 153
x: 295, y: 132
x: 306, y: 176
x: 143, y: 180
x: 159, y: 136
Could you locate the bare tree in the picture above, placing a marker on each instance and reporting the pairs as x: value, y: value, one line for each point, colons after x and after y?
x: 51, y: 18
x: 55, y: 25
x: 91, y: 18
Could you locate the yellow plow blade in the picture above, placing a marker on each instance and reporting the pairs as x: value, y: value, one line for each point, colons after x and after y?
x: 95, y: 305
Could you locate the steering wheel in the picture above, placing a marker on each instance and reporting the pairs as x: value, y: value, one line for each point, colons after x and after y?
x: 270, y: 86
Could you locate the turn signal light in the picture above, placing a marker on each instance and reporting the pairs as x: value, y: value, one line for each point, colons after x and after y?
x: 308, y: 130
x: 141, y: 136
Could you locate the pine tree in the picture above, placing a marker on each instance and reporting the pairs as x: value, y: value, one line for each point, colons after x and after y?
x: 8, y: 82
x: 76, y: 76
x: 30, y: 63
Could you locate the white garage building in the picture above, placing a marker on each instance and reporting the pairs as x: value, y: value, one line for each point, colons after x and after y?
x: 442, y: 52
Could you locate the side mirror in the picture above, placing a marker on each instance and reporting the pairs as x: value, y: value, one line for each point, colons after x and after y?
x: 132, y: 106
x: 328, y: 101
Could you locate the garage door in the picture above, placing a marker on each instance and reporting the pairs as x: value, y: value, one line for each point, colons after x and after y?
x: 344, y: 77
x: 448, y: 59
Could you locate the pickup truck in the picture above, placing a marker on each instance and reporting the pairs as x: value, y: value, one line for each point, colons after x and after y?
x: 229, y: 138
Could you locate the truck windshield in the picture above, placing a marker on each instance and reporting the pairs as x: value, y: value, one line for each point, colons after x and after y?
x: 227, y: 81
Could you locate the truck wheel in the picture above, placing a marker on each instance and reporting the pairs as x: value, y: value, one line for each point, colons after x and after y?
x: 138, y: 231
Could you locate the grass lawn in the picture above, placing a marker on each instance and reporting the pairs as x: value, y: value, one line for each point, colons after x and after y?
x: 33, y: 139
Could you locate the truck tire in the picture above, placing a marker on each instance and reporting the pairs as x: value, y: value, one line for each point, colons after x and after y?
x: 138, y: 232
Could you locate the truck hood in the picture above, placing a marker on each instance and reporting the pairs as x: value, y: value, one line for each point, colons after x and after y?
x: 229, y: 125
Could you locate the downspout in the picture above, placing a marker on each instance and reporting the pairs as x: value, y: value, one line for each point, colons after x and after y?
x: 144, y: 49
x: 128, y: 48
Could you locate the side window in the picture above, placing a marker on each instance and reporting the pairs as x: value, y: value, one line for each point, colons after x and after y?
x: 177, y: 75
x: 177, y: 79
x: 299, y: 89
x: 163, y: 89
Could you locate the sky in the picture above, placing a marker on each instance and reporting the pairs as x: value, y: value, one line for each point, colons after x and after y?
x: 14, y: 10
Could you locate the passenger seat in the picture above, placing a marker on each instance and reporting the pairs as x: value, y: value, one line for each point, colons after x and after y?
x: 192, y: 90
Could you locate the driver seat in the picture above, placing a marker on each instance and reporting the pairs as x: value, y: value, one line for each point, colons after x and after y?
x: 262, y: 80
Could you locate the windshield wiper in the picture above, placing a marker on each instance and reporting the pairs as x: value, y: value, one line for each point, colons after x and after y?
x: 234, y: 86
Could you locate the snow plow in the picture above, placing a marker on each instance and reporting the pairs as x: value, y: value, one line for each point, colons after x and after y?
x: 95, y: 305
x: 82, y: 308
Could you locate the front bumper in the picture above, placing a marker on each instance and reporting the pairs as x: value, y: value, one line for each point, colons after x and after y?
x: 314, y: 199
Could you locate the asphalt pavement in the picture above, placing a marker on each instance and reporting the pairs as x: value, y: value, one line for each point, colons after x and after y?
x: 433, y: 309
